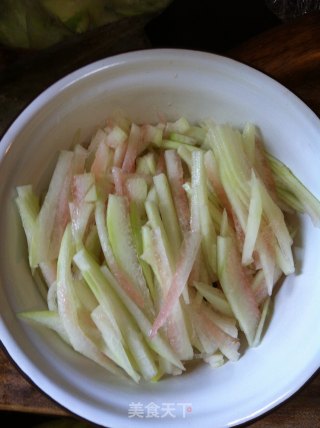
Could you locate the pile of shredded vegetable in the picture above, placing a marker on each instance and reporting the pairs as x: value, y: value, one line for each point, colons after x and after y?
x: 159, y: 243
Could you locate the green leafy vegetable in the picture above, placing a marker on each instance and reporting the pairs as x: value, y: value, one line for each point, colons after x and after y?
x: 38, y: 24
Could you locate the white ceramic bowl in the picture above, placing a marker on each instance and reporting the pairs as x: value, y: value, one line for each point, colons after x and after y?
x: 196, y: 85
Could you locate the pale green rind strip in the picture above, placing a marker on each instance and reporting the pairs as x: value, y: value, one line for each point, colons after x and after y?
x: 290, y: 182
x: 215, y: 297
x: 158, y: 344
x: 136, y: 225
x: 277, y: 222
x: 49, y: 319
x: 264, y: 314
x: 168, y: 213
x: 68, y: 308
x: 41, y: 242
x: 121, y: 240
x: 238, y: 294
x: 115, y: 349
x: 200, y: 212
x: 253, y: 222
x: 113, y: 305
x: 156, y: 223
x: 28, y: 206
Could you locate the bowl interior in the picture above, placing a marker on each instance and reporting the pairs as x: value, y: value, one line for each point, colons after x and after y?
x: 147, y: 85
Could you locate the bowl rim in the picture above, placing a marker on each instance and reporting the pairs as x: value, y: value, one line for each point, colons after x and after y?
x: 110, y: 61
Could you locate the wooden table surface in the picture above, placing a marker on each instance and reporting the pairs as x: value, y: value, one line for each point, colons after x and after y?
x: 290, y: 53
